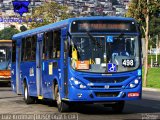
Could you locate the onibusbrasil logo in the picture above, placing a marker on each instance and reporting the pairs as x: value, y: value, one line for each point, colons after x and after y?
x: 20, y: 7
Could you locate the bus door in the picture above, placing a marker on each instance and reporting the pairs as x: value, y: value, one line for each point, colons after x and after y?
x: 64, y: 62
x: 39, y: 65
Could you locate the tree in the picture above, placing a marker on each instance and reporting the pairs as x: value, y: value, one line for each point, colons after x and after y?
x: 49, y: 12
x: 8, y: 32
x: 23, y: 28
x: 143, y: 11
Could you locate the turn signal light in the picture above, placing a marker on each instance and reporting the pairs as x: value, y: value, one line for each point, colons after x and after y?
x: 134, y: 94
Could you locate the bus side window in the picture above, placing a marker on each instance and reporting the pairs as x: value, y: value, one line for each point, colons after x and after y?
x: 33, y: 48
x: 45, y: 46
x: 23, y: 51
x: 56, y: 44
x: 50, y: 44
x: 28, y: 49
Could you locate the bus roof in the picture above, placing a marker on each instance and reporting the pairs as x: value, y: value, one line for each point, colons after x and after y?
x: 65, y: 23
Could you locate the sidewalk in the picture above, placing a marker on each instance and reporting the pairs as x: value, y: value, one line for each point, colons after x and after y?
x: 151, y: 89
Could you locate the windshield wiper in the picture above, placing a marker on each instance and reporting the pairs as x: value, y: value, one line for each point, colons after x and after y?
x: 95, y: 42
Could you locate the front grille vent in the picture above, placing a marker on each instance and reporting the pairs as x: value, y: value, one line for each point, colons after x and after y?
x: 106, y: 94
x: 106, y: 79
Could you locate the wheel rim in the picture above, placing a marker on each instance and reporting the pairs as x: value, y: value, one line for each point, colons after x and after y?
x: 25, y: 93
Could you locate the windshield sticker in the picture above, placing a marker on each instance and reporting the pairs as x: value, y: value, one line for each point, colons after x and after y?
x: 112, y: 67
x: 109, y: 38
x: 83, y: 65
x: 128, y: 62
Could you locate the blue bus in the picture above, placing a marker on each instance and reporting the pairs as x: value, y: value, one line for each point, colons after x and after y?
x: 79, y: 60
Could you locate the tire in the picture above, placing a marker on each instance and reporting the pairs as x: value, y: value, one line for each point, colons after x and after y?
x: 28, y: 99
x: 118, y: 107
x: 62, y: 106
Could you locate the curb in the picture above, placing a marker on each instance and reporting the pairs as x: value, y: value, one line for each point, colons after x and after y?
x: 151, y: 89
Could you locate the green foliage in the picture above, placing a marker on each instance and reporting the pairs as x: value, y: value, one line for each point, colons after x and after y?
x: 154, y: 26
x: 49, y: 12
x: 8, y: 32
x: 138, y: 10
x: 153, y: 77
x: 153, y: 58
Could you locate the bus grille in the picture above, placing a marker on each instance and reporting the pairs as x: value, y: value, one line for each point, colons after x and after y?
x: 106, y: 80
x: 106, y: 94
x: 103, y: 87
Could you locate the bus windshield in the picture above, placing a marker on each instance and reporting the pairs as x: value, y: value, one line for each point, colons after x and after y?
x: 5, y: 58
x: 99, y: 54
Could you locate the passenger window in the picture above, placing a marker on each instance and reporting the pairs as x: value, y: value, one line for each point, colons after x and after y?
x: 29, y: 49
x: 33, y: 48
x: 23, y: 51
x: 45, y: 46
x: 56, y: 44
x: 51, y: 44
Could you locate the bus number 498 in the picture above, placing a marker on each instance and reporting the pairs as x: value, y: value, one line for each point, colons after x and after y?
x: 128, y: 62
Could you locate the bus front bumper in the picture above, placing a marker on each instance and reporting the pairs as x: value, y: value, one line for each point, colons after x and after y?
x: 88, y: 95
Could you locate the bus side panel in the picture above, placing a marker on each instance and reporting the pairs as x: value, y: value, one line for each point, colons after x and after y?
x: 28, y: 70
x: 13, y: 76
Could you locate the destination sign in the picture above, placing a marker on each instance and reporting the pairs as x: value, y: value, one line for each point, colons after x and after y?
x: 103, y: 26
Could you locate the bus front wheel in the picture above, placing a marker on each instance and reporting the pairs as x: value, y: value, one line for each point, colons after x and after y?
x: 28, y: 99
x: 118, y: 107
x: 62, y: 106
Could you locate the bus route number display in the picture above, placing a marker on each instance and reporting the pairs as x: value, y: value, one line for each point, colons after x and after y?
x: 128, y: 62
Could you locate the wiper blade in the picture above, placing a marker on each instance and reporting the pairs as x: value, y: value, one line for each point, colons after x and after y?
x: 95, y: 42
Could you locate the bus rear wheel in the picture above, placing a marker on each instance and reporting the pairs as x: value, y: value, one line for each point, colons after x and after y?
x: 28, y: 99
x: 62, y: 106
x: 118, y: 107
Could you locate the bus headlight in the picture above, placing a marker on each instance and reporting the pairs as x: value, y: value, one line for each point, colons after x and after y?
x: 77, y: 83
x: 133, y: 83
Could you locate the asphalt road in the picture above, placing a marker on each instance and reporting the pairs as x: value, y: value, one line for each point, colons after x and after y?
x: 12, y: 104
